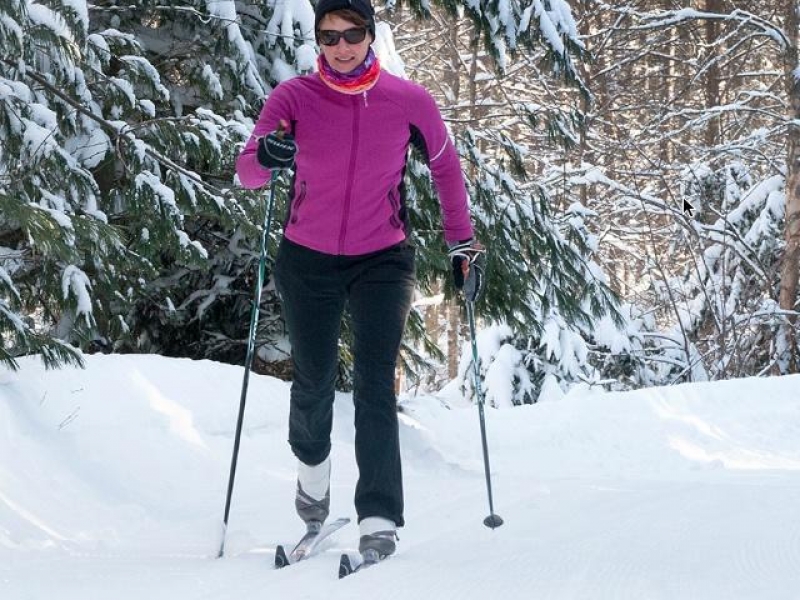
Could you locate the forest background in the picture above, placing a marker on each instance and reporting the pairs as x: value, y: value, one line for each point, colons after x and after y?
x: 633, y: 167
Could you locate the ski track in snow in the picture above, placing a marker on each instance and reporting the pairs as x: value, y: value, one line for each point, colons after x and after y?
x: 112, y: 484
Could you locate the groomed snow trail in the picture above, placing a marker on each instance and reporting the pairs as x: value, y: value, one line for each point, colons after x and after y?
x: 112, y: 484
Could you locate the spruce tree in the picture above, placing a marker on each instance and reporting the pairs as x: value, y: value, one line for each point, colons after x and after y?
x: 120, y: 123
x: 57, y: 247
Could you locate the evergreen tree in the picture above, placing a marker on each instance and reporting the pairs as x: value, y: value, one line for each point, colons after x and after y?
x: 219, y: 61
x: 120, y: 123
x: 57, y: 247
x: 725, y: 297
x: 569, y: 327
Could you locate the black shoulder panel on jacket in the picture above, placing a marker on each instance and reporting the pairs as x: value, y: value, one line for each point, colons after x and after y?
x: 418, y: 141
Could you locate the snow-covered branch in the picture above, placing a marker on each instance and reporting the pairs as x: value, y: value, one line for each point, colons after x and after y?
x: 669, y: 18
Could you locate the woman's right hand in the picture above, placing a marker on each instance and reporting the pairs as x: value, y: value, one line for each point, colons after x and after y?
x: 277, y: 150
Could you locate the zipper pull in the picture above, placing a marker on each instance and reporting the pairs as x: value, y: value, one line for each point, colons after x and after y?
x: 366, y: 104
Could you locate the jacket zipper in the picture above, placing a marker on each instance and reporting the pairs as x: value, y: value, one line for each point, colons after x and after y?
x: 351, y: 171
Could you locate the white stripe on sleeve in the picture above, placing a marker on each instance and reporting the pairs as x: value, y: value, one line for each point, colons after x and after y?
x: 441, y: 151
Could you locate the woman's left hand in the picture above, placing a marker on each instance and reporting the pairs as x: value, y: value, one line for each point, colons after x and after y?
x: 469, y: 262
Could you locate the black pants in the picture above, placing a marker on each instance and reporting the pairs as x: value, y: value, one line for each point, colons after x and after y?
x: 377, y: 289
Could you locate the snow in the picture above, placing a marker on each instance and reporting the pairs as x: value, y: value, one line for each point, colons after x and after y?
x: 4, y: 276
x: 225, y: 10
x: 47, y: 18
x: 12, y: 27
x: 81, y: 9
x: 11, y: 260
x: 186, y: 242
x: 12, y: 317
x: 43, y: 116
x: 506, y: 380
x: 91, y: 147
x: 551, y: 390
x: 548, y: 25
x: 99, y: 43
x: 608, y: 335
x: 126, y: 88
x: 114, y: 479
x: 63, y: 220
x: 74, y: 282
x: 145, y: 68
x: 164, y: 197
x: 386, y: 51
x: 36, y: 138
x: 212, y: 81
x: 306, y: 58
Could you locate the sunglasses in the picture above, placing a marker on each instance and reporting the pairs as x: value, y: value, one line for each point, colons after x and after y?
x: 331, y: 37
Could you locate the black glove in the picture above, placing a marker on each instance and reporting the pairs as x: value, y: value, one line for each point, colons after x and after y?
x: 277, y: 150
x: 468, y: 256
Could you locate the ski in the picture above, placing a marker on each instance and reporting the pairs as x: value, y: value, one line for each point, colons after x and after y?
x: 309, y: 544
x: 351, y: 564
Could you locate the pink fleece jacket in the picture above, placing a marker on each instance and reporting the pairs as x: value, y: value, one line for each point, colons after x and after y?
x: 351, y: 157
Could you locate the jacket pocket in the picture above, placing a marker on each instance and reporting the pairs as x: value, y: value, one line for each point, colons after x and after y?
x: 394, y: 203
x: 295, y: 207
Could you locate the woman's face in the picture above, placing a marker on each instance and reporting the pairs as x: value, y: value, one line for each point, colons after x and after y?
x: 344, y: 57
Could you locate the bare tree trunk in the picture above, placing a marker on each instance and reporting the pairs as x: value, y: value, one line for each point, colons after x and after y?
x: 583, y: 150
x: 454, y: 338
x: 712, y: 87
x: 476, y: 112
x: 434, y: 312
x: 790, y: 267
x: 662, y: 82
x: 451, y: 308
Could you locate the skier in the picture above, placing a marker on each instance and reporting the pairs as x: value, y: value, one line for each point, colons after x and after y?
x: 346, y: 131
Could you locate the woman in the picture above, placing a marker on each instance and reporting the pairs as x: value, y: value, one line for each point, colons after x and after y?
x: 346, y: 131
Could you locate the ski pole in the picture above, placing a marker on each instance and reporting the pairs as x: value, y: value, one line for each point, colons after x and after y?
x: 251, y: 343
x: 493, y: 520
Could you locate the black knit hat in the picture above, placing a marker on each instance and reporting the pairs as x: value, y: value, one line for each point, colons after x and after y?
x: 362, y: 7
